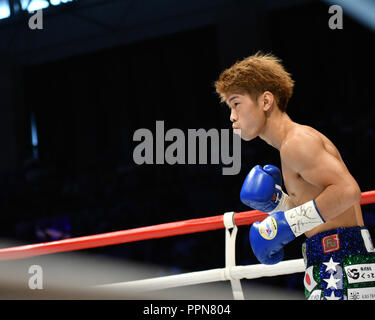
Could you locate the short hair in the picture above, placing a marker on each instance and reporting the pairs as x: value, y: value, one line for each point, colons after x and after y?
x: 255, y: 75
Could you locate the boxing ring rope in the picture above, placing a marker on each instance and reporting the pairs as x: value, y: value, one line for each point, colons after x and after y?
x: 229, y: 221
x: 213, y: 275
x: 131, y: 235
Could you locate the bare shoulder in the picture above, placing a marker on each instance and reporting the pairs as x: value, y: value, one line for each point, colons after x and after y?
x: 302, y: 143
x: 301, y: 138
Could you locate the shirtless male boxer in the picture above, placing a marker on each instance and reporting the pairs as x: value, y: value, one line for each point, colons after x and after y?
x: 322, y: 199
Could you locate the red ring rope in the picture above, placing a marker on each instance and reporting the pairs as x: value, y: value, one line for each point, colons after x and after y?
x: 143, y: 233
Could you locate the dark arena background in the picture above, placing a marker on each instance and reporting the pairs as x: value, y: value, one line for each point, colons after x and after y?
x: 74, y: 92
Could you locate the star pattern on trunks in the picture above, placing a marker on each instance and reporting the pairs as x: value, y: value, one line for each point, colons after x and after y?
x: 331, y: 265
x: 332, y: 297
x: 331, y: 282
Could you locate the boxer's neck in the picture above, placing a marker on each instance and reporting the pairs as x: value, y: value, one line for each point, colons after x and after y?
x: 276, y: 128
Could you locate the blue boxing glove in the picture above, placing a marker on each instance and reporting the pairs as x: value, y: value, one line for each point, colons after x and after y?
x: 262, y: 190
x: 268, y: 238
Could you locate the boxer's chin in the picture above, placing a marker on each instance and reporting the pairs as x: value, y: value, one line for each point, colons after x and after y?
x: 242, y: 135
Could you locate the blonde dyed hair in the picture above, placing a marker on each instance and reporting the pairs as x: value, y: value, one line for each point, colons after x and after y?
x: 255, y: 75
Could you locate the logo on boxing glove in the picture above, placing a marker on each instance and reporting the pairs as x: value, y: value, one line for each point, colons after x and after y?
x: 268, y: 228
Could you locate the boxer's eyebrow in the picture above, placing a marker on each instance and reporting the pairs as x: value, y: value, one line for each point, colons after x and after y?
x: 232, y: 99
x: 228, y: 102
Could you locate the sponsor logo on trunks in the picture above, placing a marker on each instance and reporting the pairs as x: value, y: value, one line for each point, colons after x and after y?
x: 331, y: 243
x: 358, y: 273
x: 268, y: 228
x: 352, y: 273
x: 361, y: 294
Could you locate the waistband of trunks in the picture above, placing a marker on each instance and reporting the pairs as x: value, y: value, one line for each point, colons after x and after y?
x: 340, y: 243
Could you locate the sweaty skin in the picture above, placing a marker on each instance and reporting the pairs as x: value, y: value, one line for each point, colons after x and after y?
x: 311, y: 165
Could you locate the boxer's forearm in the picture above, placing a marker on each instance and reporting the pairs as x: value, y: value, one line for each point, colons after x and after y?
x: 336, y: 199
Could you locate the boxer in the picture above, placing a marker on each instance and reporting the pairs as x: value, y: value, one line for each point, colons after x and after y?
x: 322, y: 198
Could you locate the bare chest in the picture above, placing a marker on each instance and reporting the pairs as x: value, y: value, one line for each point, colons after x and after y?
x: 297, y: 188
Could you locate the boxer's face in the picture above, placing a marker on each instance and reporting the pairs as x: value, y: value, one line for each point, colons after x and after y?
x: 246, y: 115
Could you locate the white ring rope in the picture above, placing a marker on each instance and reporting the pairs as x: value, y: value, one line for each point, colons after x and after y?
x: 213, y: 275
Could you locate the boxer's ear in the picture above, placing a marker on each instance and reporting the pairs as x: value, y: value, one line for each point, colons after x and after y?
x: 267, y: 100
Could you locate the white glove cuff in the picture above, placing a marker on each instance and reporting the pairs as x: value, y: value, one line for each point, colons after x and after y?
x: 285, y: 202
x: 303, y: 218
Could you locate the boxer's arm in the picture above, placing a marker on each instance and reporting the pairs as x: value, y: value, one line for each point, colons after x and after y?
x: 307, y: 155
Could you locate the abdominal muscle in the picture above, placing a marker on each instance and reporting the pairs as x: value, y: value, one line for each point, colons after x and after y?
x: 301, y: 192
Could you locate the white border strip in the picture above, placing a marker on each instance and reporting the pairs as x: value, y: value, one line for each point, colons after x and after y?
x: 213, y: 275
